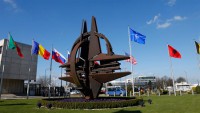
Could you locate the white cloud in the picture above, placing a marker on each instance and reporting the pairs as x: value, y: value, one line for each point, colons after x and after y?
x: 179, y: 18
x: 171, y: 2
x: 13, y: 4
x: 155, y: 19
x: 163, y: 25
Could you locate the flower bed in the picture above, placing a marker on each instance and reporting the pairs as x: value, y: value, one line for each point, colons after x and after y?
x: 100, y: 103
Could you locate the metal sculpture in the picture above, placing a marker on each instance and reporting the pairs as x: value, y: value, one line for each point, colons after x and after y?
x: 88, y: 67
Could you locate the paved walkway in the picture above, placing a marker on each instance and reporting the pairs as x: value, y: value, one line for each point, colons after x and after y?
x: 13, y: 96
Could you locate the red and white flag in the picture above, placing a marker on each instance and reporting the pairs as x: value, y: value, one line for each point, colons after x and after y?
x: 131, y: 59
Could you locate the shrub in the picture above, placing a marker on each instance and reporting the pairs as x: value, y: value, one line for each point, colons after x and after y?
x: 165, y: 92
x: 39, y: 104
x: 91, y: 104
x: 198, y: 89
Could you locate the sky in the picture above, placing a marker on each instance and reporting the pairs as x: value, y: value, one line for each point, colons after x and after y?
x: 58, y: 23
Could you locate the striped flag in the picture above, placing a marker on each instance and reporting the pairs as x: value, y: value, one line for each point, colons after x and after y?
x: 38, y: 49
x: 131, y: 59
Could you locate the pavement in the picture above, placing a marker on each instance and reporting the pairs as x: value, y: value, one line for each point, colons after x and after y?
x: 14, y: 96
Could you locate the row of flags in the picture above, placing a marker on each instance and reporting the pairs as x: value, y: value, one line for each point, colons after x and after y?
x: 38, y: 49
x: 140, y: 38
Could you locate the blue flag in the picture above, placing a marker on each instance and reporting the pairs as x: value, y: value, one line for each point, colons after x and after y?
x: 137, y: 37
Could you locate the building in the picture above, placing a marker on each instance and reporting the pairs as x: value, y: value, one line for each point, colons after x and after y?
x: 16, y: 69
x: 146, y: 82
x: 183, y: 86
x: 145, y: 79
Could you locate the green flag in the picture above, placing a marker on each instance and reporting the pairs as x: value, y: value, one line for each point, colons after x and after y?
x: 11, y: 43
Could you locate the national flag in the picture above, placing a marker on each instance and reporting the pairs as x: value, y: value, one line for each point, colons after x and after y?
x: 173, y: 52
x: 137, y: 37
x: 131, y: 59
x: 58, y: 57
x: 38, y: 49
x: 13, y: 45
x: 198, y: 47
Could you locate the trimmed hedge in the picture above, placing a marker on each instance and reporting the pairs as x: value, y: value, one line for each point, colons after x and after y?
x: 127, y: 101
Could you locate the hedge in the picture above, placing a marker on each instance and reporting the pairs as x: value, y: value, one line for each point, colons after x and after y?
x: 124, y: 102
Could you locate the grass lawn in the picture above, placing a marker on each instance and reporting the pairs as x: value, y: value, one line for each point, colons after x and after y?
x: 161, y: 104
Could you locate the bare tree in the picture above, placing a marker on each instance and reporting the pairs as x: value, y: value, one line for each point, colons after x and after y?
x: 44, y: 82
x: 163, y: 82
x: 159, y: 83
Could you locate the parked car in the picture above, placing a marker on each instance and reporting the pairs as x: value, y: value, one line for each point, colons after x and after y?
x: 75, y: 92
x: 115, y: 91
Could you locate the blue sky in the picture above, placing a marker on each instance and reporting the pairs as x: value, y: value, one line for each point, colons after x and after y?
x: 174, y: 22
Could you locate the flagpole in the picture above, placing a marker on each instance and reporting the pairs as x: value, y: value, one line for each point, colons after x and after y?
x: 50, y: 72
x: 29, y: 69
x: 3, y: 67
x: 198, y: 60
x: 61, y: 76
x: 172, y: 75
x: 131, y: 62
x: 27, y: 95
x: 29, y: 77
x: 61, y: 82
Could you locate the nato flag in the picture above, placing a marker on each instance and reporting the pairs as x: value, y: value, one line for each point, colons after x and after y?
x: 137, y: 37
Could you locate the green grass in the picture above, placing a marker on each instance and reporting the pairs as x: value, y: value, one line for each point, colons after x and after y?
x: 161, y: 104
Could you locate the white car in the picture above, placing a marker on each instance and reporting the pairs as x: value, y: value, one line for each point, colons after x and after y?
x: 74, y: 92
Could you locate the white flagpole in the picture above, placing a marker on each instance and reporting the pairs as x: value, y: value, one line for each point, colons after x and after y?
x: 27, y: 92
x: 29, y: 78
x: 61, y: 76
x: 172, y: 75
x: 50, y: 73
x: 27, y: 95
x: 126, y: 86
x: 130, y: 60
x: 198, y: 60
x: 1, y: 81
x: 2, y: 74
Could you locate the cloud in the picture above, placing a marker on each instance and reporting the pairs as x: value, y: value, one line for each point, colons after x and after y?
x: 171, y: 3
x: 155, y: 19
x: 163, y: 25
x: 176, y: 18
x: 13, y: 4
x: 179, y: 18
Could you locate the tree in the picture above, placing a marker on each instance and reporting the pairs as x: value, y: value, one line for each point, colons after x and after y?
x: 159, y: 83
x: 44, y: 81
x: 150, y: 85
x: 198, y: 89
x: 163, y: 82
x: 180, y: 79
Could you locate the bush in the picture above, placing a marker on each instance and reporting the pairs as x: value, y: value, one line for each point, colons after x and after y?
x: 124, y: 102
x: 198, y: 89
x: 165, y: 92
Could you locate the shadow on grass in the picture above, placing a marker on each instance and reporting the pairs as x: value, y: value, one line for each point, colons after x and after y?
x: 14, y: 104
x: 124, y: 111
